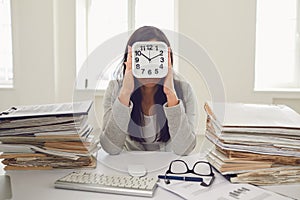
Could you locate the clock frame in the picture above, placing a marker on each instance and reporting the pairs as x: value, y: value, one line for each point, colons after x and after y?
x: 149, y: 59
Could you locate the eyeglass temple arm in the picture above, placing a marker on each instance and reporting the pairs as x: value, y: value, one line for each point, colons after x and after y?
x: 210, y: 182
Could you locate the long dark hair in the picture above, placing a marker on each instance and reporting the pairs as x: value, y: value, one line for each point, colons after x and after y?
x: 146, y: 33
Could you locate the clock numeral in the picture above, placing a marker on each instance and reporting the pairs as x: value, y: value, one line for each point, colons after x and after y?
x: 149, y: 47
x: 162, y: 59
x: 149, y: 71
x: 143, y: 48
x: 161, y: 66
x: 138, y: 53
x: 143, y: 70
x: 161, y: 52
x: 137, y: 66
x: 156, y: 47
x: 137, y: 59
x: 156, y: 71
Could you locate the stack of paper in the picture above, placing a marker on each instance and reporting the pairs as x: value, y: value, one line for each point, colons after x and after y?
x: 254, y: 143
x: 47, y: 136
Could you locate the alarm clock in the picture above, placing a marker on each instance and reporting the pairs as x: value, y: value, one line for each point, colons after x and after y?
x: 149, y: 59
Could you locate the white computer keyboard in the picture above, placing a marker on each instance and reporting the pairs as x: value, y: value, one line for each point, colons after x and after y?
x: 116, y: 184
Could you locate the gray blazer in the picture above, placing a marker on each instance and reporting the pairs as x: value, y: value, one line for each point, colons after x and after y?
x: 181, y: 121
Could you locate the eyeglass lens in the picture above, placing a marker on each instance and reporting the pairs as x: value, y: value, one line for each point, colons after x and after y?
x: 202, y: 168
x: 178, y: 167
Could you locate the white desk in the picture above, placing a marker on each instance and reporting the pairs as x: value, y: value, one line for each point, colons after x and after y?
x: 31, y: 185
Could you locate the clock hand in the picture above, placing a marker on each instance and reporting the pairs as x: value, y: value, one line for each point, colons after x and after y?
x: 146, y: 57
x: 156, y: 56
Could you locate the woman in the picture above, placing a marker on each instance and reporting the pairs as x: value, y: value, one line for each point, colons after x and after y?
x: 148, y: 114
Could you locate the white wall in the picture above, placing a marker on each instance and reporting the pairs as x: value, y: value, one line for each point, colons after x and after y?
x: 64, y: 49
x: 226, y: 29
x: 44, y: 50
x: 33, y: 54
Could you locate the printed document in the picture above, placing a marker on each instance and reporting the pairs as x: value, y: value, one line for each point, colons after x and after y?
x: 221, y: 190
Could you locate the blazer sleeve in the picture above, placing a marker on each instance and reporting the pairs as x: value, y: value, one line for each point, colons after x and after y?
x: 115, y: 120
x: 181, y: 122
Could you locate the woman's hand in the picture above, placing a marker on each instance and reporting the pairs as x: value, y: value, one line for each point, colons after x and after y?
x: 128, y: 81
x: 169, y: 89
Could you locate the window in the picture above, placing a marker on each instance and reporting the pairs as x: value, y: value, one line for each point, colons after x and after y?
x: 277, y: 60
x: 99, y: 20
x: 6, y: 64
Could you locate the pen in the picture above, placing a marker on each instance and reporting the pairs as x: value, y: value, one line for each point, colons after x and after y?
x: 181, y: 178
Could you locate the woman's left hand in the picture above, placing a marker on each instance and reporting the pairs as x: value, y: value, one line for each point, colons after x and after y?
x: 169, y: 89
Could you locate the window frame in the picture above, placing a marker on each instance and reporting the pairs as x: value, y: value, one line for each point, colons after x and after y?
x: 4, y: 84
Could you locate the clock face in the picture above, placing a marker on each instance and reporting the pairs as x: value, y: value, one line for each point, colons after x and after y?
x: 149, y: 59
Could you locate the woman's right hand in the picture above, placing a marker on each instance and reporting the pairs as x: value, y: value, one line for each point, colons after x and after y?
x: 128, y: 80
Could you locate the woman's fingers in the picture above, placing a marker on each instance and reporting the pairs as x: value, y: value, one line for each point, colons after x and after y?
x: 169, y: 58
x: 169, y: 75
x: 129, y: 57
x: 128, y: 82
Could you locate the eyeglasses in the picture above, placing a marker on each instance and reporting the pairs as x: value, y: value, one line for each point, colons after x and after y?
x: 200, y: 168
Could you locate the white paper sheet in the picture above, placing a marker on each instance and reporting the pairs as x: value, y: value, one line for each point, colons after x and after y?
x: 47, y: 110
x: 221, y: 191
x: 255, y: 115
